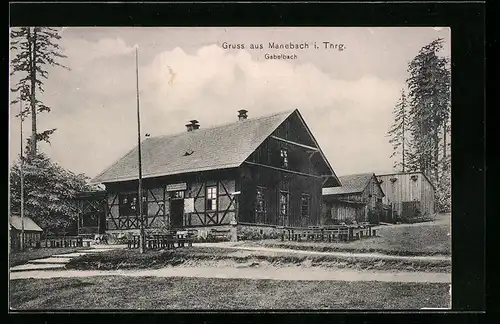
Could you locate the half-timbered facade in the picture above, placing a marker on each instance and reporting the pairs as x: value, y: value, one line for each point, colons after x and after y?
x: 359, y: 195
x: 91, y: 208
x: 264, y: 171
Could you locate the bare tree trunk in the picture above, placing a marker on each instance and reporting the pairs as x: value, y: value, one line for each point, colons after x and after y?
x: 421, y: 146
x: 21, y: 165
x: 436, y: 155
x: 32, y: 61
x: 404, y: 137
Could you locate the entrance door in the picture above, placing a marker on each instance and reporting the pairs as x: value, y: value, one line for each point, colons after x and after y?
x: 176, y: 209
x: 283, y: 208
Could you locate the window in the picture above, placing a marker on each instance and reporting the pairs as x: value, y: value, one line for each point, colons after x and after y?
x: 379, y: 200
x: 260, y: 205
x: 283, y: 219
x: 128, y: 205
x: 212, y: 198
x: 144, y: 205
x: 284, y: 157
x: 304, y: 205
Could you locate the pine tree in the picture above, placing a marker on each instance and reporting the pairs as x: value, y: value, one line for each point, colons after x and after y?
x: 398, y: 133
x: 443, y: 194
x: 429, y: 96
x: 35, y: 50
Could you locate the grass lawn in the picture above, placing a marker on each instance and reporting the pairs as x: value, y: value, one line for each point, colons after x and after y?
x: 217, y: 257
x: 115, y: 292
x: 133, y: 259
x: 432, y: 238
x: 22, y: 257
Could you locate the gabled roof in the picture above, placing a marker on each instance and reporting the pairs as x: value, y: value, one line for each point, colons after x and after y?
x: 213, y: 148
x: 29, y: 224
x: 334, y: 176
x: 351, y: 184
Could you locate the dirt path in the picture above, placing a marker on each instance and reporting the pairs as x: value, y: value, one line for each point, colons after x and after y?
x: 288, y: 273
x: 235, y: 245
x: 58, y: 261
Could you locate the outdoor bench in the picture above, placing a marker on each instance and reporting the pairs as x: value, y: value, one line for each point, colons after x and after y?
x: 67, y: 241
x: 152, y: 242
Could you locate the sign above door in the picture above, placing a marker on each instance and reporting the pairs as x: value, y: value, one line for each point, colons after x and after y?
x: 177, y: 186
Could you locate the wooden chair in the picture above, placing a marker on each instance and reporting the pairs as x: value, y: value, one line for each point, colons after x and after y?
x: 190, y: 239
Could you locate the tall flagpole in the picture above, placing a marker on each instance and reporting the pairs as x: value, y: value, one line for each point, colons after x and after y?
x: 141, y: 220
x: 22, y: 175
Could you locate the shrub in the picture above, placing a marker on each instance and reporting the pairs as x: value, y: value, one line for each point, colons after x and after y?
x: 249, y: 233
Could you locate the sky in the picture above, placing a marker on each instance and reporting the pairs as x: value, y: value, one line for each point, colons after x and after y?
x: 345, y: 96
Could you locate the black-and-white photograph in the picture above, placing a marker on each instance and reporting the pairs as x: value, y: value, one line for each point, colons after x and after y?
x: 230, y: 168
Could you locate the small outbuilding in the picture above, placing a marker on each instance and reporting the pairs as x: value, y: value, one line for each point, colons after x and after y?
x: 353, y: 201
x: 32, y: 232
x: 411, y: 195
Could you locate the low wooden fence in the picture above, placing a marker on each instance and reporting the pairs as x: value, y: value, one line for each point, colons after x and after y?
x: 64, y: 241
x: 333, y: 233
x: 15, y: 244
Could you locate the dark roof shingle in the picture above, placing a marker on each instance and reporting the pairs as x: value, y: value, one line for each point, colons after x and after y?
x: 350, y: 184
x: 228, y: 146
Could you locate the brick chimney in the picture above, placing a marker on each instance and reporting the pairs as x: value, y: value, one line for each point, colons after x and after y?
x: 242, y: 114
x: 193, y: 125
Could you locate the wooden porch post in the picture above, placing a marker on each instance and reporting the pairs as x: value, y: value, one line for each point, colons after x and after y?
x: 22, y: 175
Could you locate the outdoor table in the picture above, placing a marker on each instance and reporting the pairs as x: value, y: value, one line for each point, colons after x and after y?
x: 181, y: 238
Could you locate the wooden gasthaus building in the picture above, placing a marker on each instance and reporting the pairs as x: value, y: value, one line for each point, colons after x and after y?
x: 253, y: 174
